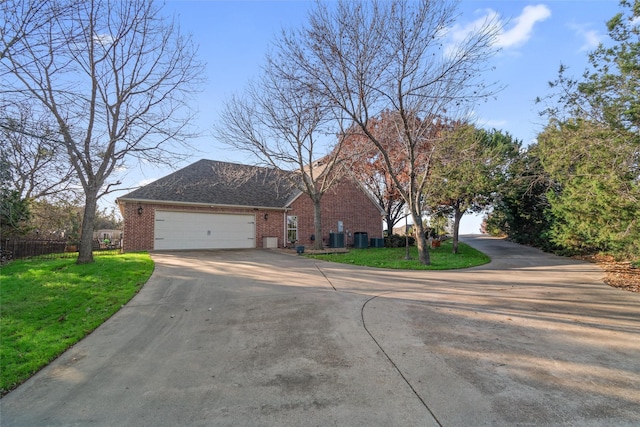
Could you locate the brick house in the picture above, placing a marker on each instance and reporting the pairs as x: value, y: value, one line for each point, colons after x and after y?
x: 218, y: 205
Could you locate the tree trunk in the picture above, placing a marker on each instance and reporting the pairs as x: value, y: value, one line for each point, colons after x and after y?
x: 457, y: 216
x: 317, y: 224
x: 85, y: 253
x: 421, y: 240
x: 390, y: 225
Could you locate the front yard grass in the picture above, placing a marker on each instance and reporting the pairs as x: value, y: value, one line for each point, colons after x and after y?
x: 441, y: 257
x: 49, y: 305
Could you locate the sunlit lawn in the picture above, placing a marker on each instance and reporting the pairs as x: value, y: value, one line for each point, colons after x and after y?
x: 442, y: 257
x: 49, y: 305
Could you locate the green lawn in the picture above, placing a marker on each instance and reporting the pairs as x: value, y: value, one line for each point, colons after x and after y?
x: 49, y: 305
x: 441, y: 258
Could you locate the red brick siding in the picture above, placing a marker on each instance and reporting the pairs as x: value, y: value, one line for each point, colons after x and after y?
x: 138, y: 228
x: 344, y: 202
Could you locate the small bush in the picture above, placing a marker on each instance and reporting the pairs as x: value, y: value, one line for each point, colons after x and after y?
x: 397, y: 241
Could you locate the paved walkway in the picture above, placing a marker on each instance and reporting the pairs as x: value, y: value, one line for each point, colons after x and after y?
x: 262, y: 338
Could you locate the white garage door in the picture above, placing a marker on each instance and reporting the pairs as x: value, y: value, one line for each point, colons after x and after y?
x: 190, y: 230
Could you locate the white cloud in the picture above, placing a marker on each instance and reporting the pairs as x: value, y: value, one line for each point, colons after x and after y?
x: 591, y: 38
x: 520, y: 31
x: 512, y: 35
x: 458, y: 32
x: 475, y: 118
x: 104, y: 39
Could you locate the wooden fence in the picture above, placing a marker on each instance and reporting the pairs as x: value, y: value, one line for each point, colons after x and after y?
x: 44, y: 249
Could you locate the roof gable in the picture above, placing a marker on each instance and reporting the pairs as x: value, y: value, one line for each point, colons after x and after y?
x: 220, y: 183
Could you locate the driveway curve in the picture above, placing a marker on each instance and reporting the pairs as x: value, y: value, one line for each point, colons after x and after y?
x: 265, y: 338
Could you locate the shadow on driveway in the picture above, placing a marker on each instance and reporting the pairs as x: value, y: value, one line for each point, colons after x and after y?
x: 261, y: 337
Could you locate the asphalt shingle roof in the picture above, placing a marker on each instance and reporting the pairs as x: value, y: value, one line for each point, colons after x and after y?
x: 220, y: 183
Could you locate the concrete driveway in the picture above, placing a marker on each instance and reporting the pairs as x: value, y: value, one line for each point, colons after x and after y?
x: 264, y: 338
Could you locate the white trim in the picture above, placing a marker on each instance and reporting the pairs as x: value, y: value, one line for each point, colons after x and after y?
x: 297, y: 236
x: 284, y: 231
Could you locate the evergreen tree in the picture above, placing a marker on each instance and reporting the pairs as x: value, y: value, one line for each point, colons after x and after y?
x: 521, y: 207
x: 468, y: 167
x: 591, y: 146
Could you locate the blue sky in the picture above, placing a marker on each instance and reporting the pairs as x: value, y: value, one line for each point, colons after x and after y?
x: 233, y: 37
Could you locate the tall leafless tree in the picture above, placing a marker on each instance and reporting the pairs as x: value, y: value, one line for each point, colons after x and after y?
x: 368, y: 57
x: 22, y: 18
x: 37, y: 163
x: 285, y: 125
x: 113, y: 76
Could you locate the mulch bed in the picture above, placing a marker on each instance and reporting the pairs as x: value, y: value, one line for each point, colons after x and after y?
x: 618, y: 274
x: 326, y: 251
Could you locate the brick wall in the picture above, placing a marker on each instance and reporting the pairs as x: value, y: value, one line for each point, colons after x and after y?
x: 138, y: 228
x: 344, y: 202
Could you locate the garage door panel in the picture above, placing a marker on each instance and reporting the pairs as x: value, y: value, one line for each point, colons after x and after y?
x: 190, y: 230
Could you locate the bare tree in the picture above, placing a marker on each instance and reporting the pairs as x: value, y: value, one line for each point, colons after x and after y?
x: 368, y: 57
x: 22, y: 18
x: 37, y: 162
x: 366, y: 164
x: 284, y: 125
x: 113, y: 76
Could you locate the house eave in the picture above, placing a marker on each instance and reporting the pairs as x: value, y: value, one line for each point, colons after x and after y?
x: 198, y: 204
